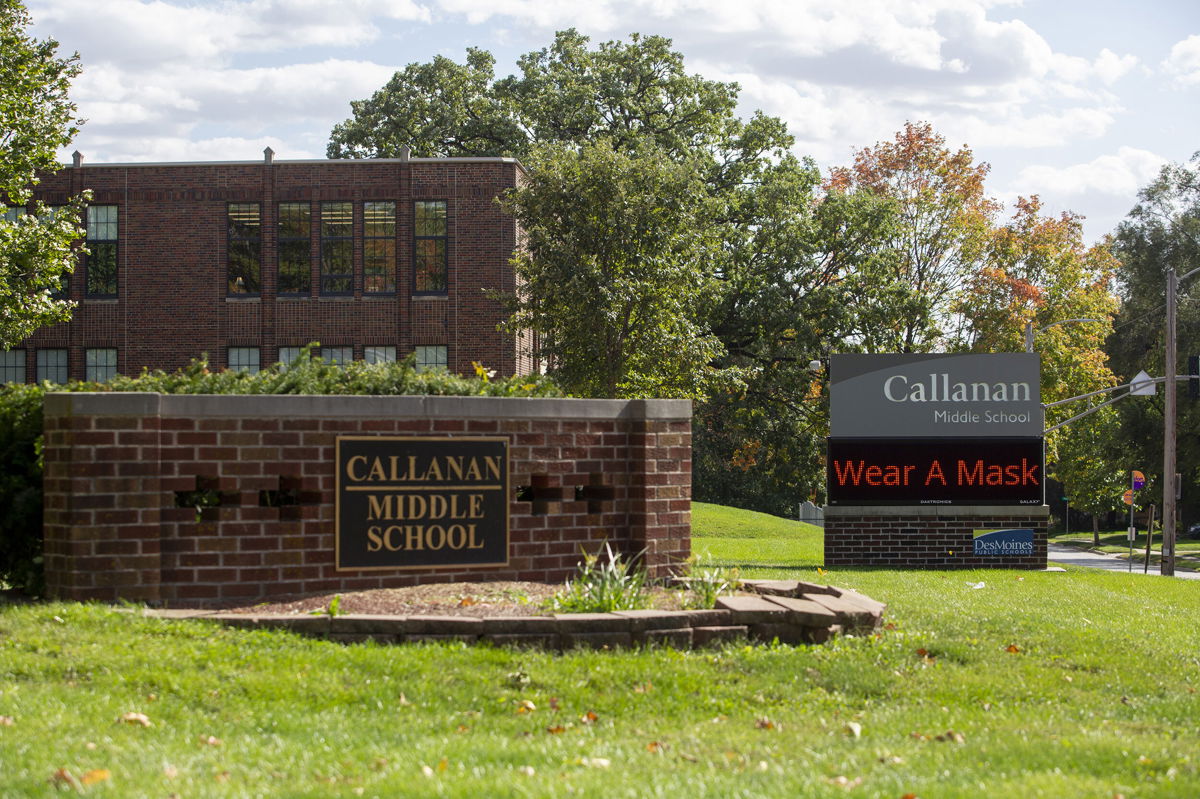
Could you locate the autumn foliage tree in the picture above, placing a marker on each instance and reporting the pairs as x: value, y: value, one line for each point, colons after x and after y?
x: 943, y: 223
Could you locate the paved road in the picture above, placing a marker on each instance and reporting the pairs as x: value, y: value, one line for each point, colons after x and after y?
x: 1095, y: 560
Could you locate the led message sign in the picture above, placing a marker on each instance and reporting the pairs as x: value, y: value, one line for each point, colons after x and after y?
x: 421, y: 502
x: 899, y: 471
x: 944, y: 396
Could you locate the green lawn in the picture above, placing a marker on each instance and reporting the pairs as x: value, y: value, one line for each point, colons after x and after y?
x: 987, y: 683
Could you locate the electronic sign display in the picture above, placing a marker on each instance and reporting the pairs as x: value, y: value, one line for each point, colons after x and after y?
x: 952, y: 471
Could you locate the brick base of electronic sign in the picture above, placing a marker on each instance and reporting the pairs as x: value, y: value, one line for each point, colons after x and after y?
x: 938, y: 537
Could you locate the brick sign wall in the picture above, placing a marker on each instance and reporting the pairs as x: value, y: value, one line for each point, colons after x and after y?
x: 192, y: 499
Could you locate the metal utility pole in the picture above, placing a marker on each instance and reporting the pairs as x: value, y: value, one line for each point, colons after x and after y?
x: 1167, y: 566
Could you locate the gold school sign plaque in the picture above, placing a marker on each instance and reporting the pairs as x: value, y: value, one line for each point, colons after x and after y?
x: 421, y: 502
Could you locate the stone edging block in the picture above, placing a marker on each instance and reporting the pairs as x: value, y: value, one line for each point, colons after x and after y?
x: 789, y: 611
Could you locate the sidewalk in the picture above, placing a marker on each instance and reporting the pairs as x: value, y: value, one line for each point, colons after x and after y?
x: 1094, y: 560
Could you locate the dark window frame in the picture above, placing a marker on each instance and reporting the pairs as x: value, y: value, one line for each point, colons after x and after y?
x: 422, y: 237
x: 388, y: 243
x: 43, y: 366
x: 104, y: 251
x: 235, y: 241
x: 339, y: 246
x: 301, y: 243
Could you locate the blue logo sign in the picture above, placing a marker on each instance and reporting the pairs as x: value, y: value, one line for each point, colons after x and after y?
x: 1015, y: 542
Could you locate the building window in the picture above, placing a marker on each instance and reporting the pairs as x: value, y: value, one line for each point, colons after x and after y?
x: 52, y: 366
x: 101, y: 258
x: 50, y: 213
x: 433, y: 357
x: 379, y: 247
x: 337, y: 248
x: 338, y: 356
x: 101, y: 364
x: 243, y: 359
x: 13, y: 214
x: 295, y: 248
x: 12, y: 366
x: 379, y: 354
x: 429, y: 240
x: 289, y: 354
x: 245, y: 248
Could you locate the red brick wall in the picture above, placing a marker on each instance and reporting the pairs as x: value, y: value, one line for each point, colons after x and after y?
x: 598, y: 470
x: 937, y: 537
x: 172, y: 252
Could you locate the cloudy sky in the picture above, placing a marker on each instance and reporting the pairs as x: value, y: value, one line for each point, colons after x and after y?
x: 1078, y: 101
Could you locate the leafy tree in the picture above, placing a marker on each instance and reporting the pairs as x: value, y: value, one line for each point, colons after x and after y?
x: 1088, y: 466
x: 938, y: 243
x: 792, y: 275
x: 628, y: 93
x: 1160, y: 233
x: 1039, y: 272
x: 616, y: 277
x: 36, y: 118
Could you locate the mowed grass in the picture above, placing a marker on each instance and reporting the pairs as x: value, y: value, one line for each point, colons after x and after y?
x: 988, y: 683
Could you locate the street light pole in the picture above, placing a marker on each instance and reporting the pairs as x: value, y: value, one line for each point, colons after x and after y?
x: 1030, y: 332
x: 1167, y: 564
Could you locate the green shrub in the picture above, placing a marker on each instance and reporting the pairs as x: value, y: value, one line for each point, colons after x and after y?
x: 706, y: 581
x: 602, y: 586
x: 21, y: 486
x: 21, y: 424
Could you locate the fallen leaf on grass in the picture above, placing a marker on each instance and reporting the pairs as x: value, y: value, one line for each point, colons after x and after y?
x: 90, y: 746
x: 443, y: 764
x: 644, y: 688
x: 853, y: 729
x: 525, y: 706
x: 909, y: 796
x: 764, y: 724
x: 136, y: 719
x: 595, y: 762
x: 210, y: 740
x: 891, y: 760
x: 170, y: 772
x: 557, y: 729
x: 462, y: 728
x: 554, y: 703
x: 403, y: 701
x: 588, y: 718
x: 950, y: 736
x: 6, y: 721
x: 1068, y: 678
x: 221, y: 776
x: 842, y: 781
x: 63, y: 777
x: 528, y: 771
x: 689, y: 758
x: 467, y: 602
x: 96, y: 775
x: 427, y: 771
x: 1013, y: 649
x: 656, y: 746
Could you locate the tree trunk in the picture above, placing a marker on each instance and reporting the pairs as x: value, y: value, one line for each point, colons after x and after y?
x: 1095, y: 530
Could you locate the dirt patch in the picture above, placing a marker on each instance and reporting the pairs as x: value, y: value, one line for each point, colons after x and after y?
x: 445, y: 599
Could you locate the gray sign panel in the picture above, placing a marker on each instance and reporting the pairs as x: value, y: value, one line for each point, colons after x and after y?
x: 923, y: 396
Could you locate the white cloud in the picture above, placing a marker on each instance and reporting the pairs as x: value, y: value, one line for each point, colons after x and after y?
x: 1122, y: 173
x: 154, y: 32
x: 1184, y: 61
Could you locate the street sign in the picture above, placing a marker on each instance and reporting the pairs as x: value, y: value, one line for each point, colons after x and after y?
x: 1138, y: 481
x: 1128, y: 497
x: 1142, y: 386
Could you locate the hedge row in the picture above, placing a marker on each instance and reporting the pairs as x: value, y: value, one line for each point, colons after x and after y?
x: 21, y: 425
